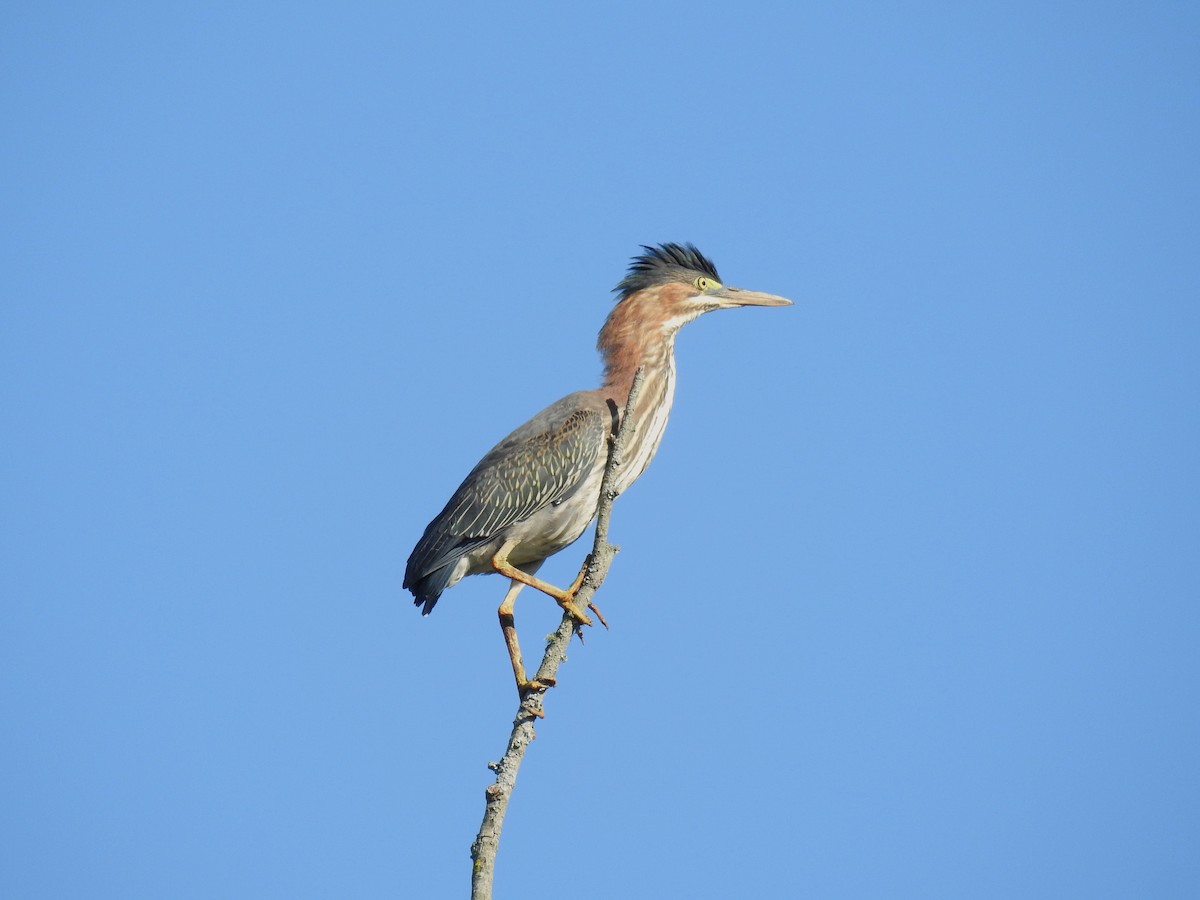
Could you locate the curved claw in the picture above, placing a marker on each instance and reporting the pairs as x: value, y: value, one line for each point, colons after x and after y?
x: 599, y: 615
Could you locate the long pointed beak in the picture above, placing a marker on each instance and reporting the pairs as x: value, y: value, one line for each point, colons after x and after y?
x: 732, y: 297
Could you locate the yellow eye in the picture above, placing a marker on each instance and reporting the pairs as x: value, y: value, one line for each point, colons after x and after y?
x: 704, y: 283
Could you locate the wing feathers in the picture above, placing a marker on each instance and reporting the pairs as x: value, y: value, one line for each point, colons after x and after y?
x: 540, y: 463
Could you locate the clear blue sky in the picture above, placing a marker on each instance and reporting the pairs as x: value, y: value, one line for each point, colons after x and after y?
x: 909, y: 603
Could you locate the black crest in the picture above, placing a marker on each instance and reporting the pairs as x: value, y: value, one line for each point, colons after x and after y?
x: 666, y: 262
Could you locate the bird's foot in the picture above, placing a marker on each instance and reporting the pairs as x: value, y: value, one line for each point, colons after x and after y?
x: 569, y: 605
x: 534, y: 685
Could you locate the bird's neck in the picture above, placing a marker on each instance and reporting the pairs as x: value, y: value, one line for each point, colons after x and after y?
x: 634, y: 337
x: 655, y: 365
x: 653, y: 351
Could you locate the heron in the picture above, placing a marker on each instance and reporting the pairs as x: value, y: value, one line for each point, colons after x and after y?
x: 536, y: 491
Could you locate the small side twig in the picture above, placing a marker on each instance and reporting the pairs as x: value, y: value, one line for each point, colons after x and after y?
x: 483, y: 850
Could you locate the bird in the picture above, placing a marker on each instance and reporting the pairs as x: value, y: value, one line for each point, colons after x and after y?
x: 538, y: 490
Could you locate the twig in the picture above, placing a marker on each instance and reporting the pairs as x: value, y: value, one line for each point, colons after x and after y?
x: 483, y: 850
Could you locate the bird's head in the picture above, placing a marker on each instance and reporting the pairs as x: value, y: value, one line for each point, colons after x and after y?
x: 666, y: 287
x: 671, y: 284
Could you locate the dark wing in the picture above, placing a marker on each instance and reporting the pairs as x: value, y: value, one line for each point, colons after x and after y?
x: 542, y: 462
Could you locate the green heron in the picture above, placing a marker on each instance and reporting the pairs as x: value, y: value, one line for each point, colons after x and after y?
x: 537, y: 491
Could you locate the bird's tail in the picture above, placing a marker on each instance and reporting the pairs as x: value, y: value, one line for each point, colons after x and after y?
x: 428, y: 588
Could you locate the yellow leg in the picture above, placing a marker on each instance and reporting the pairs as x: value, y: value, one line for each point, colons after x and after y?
x: 574, y: 589
x: 565, y: 599
x: 509, y: 627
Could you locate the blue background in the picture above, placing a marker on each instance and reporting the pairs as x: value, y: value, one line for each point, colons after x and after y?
x: 907, y: 604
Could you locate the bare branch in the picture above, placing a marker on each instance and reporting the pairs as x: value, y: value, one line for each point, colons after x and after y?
x: 483, y: 850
